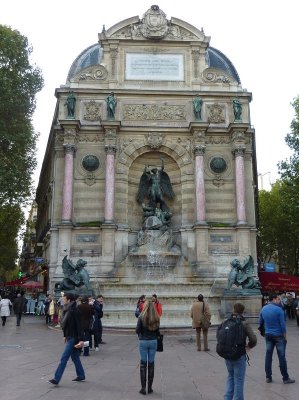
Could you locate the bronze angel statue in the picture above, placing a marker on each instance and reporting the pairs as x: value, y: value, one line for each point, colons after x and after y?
x: 155, y: 185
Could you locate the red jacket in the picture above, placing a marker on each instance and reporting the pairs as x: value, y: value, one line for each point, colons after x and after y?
x: 158, y: 307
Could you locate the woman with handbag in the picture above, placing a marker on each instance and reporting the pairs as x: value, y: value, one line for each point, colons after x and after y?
x: 147, y: 330
x: 201, y: 317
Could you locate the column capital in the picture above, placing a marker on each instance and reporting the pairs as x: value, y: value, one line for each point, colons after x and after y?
x: 239, y: 150
x: 69, y: 148
x: 199, y: 149
x: 110, y: 148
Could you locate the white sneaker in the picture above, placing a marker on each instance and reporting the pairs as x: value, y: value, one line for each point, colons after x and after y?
x: 96, y: 349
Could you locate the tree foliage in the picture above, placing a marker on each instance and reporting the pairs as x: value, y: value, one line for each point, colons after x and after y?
x: 279, y: 226
x: 279, y: 208
x: 19, y: 83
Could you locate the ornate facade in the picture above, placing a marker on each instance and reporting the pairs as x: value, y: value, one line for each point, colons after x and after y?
x: 86, y: 195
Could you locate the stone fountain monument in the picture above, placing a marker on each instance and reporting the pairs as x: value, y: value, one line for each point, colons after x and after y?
x: 155, y: 249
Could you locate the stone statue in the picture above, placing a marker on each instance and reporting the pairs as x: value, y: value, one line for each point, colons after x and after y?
x: 111, y: 105
x: 197, y: 105
x: 242, y: 274
x: 74, y: 275
x: 237, y: 106
x: 70, y: 104
x: 154, y: 184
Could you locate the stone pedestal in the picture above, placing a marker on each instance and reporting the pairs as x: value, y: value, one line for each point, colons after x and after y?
x: 251, y: 298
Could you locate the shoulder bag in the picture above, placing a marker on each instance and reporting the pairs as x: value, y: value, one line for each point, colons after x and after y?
x: 160, y: 342
x: 204, y: 320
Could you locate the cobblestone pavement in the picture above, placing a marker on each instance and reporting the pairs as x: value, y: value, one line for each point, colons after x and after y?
x: 30, y: 354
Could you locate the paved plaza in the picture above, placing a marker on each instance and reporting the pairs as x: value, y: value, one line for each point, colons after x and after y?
x: 29, y: 356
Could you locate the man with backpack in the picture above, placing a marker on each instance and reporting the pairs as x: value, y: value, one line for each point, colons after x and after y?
x: 232, y: 336
x: 273, y: 319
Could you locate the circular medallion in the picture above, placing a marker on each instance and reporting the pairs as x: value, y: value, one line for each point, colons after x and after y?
x: 218, y: 165
x: 90, y: 163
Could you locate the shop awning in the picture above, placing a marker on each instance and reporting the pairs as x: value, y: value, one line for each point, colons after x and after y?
x: 274, y: 282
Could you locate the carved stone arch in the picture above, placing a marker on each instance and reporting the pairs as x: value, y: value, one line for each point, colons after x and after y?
x: 129, y: 171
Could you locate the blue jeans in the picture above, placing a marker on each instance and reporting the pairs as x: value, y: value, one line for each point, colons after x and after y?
x: 235, y: 380
x: 280, y: 343
x: 70, y: 351
x: 147, y: 350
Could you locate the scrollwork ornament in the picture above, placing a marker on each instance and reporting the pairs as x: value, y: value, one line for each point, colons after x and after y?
x: 154, y: 140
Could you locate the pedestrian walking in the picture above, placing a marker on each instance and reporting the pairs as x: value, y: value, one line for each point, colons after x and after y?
x: 147, y: 329
x: 18, y: 307
x: 73, y: 337
x: 273, y: 319
x: 5, y: 305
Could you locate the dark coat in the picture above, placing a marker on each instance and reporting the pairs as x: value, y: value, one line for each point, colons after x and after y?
x: 73, y: 326
x: 98, y: 314
x: 19, y: 304
x: 86, y: 311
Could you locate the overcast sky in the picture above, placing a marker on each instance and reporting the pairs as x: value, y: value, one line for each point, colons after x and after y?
x: 259, y: 37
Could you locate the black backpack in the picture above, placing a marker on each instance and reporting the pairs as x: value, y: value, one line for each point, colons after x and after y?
x: 231, y: 339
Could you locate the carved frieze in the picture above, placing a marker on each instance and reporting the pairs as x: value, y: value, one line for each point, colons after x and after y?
x: 135, y: 112
x: 90, y: 138
x: 216, y: 113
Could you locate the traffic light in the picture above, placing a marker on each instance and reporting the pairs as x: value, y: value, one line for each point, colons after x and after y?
x: 20, y: 274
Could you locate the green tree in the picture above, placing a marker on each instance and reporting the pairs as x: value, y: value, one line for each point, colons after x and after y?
x: 279, y: 208
x: 279, y: 227
x: 19, y: 83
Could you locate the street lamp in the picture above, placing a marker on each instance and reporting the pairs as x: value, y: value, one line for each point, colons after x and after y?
x: 261, y: 178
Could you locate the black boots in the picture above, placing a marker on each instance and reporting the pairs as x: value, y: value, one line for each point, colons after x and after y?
x: 151, y: 372
x: 143, y: 377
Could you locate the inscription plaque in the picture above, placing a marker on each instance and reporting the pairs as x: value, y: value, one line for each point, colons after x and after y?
x: 156, y: 67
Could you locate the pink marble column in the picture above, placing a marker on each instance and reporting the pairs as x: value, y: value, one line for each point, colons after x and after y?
x: 200, y: 185
x: 240, y: 186
x: 109, y: 183
x: 67, y: 191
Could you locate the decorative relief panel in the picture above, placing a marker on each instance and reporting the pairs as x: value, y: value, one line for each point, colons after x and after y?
x: 92, y: 111
x: 214, y: 75
x: 154, y: 25
x: 216, y: 113
x: 154, y: 139
x: 154, y: 112
x: 96, y: 73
